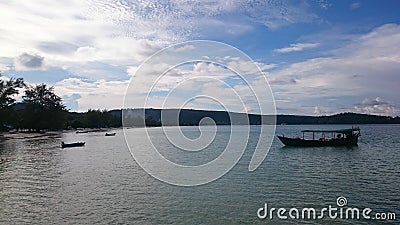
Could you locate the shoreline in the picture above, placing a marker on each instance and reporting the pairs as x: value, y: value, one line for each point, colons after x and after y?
x: 32, y: 135
x: 46, y: 134
x: 29, y: 135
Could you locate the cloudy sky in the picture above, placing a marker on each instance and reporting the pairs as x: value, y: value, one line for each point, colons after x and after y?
x: 319, y: 57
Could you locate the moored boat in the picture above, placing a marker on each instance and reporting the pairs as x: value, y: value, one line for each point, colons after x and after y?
x: 340, y: 137
x: 82, y: 131
x: 69, y: 145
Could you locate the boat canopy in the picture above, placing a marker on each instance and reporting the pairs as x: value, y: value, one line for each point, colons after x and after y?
x: 342, y: 131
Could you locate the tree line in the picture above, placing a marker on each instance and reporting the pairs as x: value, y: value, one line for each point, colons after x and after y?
x: 191, y: 117
x: 41, y: 109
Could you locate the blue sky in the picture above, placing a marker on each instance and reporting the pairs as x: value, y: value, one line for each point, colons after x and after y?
x: 320, y: 57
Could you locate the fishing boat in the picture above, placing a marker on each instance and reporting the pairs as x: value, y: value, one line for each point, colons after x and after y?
x: 340, y: 137
x: 110, y: 134
x: 82, y: 131
x: 70, y: 145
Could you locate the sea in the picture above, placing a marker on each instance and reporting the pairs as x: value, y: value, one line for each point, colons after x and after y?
x: 102, y: 183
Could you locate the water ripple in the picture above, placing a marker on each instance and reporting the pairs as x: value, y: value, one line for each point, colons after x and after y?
x: 100, y: 183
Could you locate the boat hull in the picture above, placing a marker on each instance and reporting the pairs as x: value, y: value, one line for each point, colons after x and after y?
x: 70, y: 145
x: 298, y: 142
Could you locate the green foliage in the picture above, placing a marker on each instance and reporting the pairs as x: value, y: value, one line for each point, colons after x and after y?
x: 8, y: 88
x: 43, y: 109
x: 43, y: 96
x: 94, y: 119
x: 150, y: 122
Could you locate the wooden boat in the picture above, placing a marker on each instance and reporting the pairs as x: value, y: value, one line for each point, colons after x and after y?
x: 341, y: 137
x: 70, y: 145
x: 82, y: 131
x: 110, y: 134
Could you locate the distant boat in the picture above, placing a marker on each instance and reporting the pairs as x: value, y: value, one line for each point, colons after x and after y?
x: 81, y: 131
x: 341, y: 137
x: 69, y: 145
x: 111, y: 134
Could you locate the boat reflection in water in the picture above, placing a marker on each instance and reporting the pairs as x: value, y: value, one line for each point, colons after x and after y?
x: 341, y: 137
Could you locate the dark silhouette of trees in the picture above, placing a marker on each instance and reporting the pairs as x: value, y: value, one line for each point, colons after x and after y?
x: 94, y: 118
x: 43, y: 109
x: 190, y: 117
x: 100, y: 118
x: 8, y: 89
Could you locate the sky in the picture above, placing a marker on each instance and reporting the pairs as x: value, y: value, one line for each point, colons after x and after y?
x: 319, y: 57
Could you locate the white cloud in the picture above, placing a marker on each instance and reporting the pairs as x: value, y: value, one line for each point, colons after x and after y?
x: 199, y: 79
x: 355, y: 5
x: 376, y: 106
x: 324, y: 4
x: 184, y: 48
x: 164, y: 77
x: 297, y: 47
x: 275, y: 14
x: 180, y: 19
x: 67, y: 25
x: 317, y: 110
x: 71, y: 34
x: 368, y: 66
x: 67, y: 34
x: 249, y: 67
x: 108, y: 93
x: 210, y: 69
x: 3, y: 67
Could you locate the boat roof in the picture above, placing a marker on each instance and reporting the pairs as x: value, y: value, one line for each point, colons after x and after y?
x: 347, y: 130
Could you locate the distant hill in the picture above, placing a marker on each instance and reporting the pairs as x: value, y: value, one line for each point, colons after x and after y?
x: 342, y: 118
x: 192, y: 117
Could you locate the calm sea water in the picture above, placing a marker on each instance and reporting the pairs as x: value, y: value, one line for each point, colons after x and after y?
x: 101, y: 183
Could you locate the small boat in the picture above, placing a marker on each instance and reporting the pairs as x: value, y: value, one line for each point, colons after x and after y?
x: 81, y: 131
x: 70, y: 145
x: 340, y: 137
x: 111, y: 134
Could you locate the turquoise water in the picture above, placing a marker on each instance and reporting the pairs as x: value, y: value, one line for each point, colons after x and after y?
x: 101, y: 183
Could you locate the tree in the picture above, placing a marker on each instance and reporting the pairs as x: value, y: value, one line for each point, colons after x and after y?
x: 43, y: 109
x: 93, y: 119
x: 8, y: 89
x: 99, y: 118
